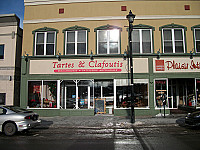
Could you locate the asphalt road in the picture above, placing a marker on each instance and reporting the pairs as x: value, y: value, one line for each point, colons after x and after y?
x: 116, y: 137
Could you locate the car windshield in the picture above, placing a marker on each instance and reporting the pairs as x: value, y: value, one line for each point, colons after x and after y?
x: 17, y: 109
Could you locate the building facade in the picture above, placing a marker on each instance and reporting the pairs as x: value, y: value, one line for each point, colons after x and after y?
x: 10, y: 59
x: 75, y: 56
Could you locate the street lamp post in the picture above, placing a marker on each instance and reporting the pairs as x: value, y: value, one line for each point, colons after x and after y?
x: 130, y: 17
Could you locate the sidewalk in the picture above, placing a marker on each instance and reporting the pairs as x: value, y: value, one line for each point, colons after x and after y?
x: 108, y: 121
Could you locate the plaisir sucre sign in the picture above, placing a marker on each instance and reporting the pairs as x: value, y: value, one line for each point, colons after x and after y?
x: 177, y: 65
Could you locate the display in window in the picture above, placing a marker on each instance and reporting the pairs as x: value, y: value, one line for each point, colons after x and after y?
x: 160, y: 91
x: 123, y: 95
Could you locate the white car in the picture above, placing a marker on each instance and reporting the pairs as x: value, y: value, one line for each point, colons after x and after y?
x: 13, y: 119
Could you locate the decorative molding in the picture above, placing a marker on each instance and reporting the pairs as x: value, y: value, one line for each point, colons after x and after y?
x: 148, y: 17
x: 75, y: 28
x: 172, y: 26
x: 107, y: 27
x: 47, y: 2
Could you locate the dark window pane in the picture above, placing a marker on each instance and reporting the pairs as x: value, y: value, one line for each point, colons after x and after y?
x: 70, y: 48
x: 136, y: 47
x: 179, y: 47
x: 1, y: 51
x: 40, y: 49
x: 81, y: 48
x: 167, y: 34
x: 71, y: 36
x: 40, y: 38
x: 113, y: 48
x: 146, y: 47
x: 168, y: 47
x: 50, y: 37
x: 198, y: 46
x: 135, y: 36
x: 50, y: 49
x: 197, y: 34
x: 81, y: 36
x: 178, y: 34
x: 102, y: 48
x: 2, y: 98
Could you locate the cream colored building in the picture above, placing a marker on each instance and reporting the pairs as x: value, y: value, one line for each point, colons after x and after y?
x: 76, y: 55
x: 10, y: 53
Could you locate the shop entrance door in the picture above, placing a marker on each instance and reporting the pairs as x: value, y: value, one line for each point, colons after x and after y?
x: 77, y: 94
x: 103, y: 89
x: 181, y: 92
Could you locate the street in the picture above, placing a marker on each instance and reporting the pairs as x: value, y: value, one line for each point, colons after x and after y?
x: 114, y: 136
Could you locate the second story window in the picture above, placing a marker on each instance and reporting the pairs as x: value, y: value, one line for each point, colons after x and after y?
x: 76, y: 40
x: 108, y: 39
x: 1, y: 51
x: 196, y: 31
x: 142, y: 41
x: 45, y: 42
x: 173, y: 38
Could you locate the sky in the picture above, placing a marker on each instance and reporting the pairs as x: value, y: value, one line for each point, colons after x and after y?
x: 13, y: 7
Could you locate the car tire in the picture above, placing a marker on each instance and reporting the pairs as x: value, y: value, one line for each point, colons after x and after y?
x: 9, y: 129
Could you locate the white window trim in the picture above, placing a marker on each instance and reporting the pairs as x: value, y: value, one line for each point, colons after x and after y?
x: 195, y: 45
x: 42, y: 96
x: 140, y: 35
x: 108, y: 42
x: 173, y: 39
x: 76, y: 42
x: 45, y: 42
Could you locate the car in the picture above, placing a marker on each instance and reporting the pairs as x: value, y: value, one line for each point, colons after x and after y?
x: 14, y: 119
x: 193, y: 119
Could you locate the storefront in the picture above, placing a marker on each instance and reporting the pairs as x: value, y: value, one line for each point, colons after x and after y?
x: 182, y: 83
x: 72, y: 86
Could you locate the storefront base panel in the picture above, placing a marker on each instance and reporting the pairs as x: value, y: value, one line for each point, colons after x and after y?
x: 72, y: 112
x: 139, y: 112
x: 47, y: 112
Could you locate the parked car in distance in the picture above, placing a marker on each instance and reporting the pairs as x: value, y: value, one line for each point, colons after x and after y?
x: 193, y: 119
x: 13, y: 119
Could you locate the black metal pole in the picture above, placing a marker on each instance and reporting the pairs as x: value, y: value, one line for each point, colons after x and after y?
x: 131, y: 69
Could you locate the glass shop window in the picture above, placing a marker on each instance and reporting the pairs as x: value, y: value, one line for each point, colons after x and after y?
x: 34, y: 94
x: 198, y: 92
x: 50, y: 94
x: 123, y: 93
x: 160, y: 90
x: 2, y: 98
x: 42, y: 94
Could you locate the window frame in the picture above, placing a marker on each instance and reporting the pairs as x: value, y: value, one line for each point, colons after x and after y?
x: 173, y: 27
x: 44, y: 30
x: 75, y: 29
x: 76, y: 42
x: 195, y: 40
x: 42, y: 94
x: 173, y: 40
x: 107, y: 28
x: 108, y: 41
x: 141, y: 40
